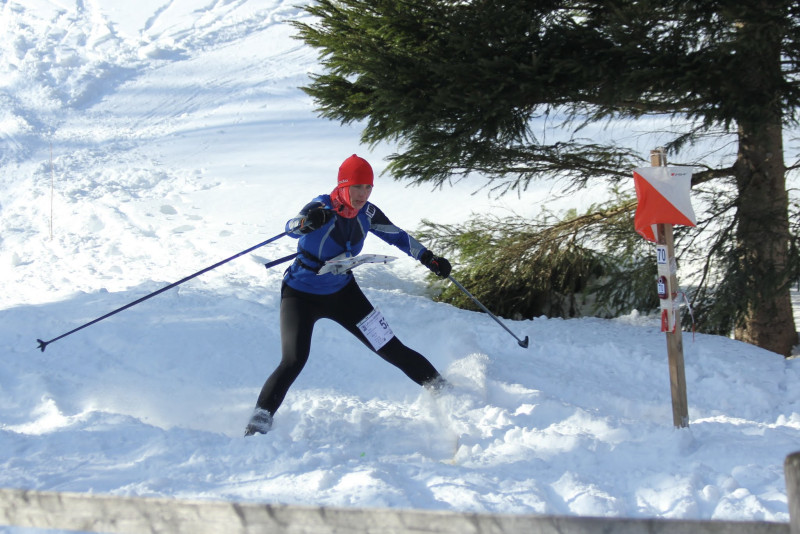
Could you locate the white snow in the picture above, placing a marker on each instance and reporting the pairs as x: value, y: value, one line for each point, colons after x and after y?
x: 179, y: 138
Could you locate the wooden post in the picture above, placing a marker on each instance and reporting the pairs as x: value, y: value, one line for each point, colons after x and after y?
x: 670, y: 321
x: 791, y: 471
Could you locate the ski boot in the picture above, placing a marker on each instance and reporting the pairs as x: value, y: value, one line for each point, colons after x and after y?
x: 260, y: 423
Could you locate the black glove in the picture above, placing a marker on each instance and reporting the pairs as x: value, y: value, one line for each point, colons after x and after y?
x: 314, y: 219
x: 439, y: 266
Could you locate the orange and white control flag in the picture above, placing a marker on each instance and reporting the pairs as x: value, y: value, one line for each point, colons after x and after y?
x: 664, y: 198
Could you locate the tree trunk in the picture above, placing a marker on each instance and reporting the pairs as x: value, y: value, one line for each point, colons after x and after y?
x: 763, y: 235
x: 763, y: 203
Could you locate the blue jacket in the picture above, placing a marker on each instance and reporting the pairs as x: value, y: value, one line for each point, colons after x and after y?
x: 339, y: 235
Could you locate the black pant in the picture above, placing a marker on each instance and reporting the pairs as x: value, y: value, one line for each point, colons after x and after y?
x: 299, y: 312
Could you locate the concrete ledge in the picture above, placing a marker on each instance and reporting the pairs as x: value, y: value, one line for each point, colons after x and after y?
x: 106, y: 513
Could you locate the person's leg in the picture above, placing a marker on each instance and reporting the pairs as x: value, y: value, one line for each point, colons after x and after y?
x: 297, y: 325
x: 352, y: 307
x: 297, y: 316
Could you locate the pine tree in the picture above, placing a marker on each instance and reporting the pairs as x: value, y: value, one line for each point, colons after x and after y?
x: 458, y: 85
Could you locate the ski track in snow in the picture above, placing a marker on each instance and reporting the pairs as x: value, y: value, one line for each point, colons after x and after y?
x: 179, y: 138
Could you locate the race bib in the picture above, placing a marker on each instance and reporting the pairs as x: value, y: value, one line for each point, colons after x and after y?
x: 376, y: 329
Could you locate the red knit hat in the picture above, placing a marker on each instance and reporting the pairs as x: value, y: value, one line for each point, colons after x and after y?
x: 355, y: 171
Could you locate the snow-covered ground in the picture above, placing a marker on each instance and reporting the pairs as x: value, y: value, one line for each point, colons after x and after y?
x: 179, y: 138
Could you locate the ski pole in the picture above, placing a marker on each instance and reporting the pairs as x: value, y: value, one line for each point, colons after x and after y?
x: 43, y: 344
x: 522, y: 342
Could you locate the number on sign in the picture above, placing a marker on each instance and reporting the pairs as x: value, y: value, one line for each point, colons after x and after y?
x: 661, y: 255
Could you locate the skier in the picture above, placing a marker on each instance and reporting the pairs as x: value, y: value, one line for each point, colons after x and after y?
x: 331, y: 226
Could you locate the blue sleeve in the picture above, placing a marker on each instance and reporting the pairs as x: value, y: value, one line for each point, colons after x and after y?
x: 381, y: 226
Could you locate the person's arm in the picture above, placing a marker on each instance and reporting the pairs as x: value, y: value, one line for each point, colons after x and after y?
x: 381, y: 226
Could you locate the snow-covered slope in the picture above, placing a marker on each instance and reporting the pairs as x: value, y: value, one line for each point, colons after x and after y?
x: 179, y: 138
